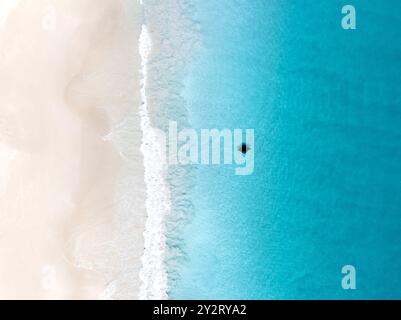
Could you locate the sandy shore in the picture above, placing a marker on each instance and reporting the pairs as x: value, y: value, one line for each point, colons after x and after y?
x: 71, y: 172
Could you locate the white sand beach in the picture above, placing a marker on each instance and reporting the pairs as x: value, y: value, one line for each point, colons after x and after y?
x: 72, y: 193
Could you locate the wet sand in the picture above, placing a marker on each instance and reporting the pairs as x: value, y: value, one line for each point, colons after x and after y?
x: 70, y: 224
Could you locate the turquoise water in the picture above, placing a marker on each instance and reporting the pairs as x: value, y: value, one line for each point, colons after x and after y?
x: 326, y: 191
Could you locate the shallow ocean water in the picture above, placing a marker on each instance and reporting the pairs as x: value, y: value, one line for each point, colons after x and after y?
x: 326, y: 191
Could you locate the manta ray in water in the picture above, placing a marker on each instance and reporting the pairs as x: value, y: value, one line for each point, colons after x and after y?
x: 244, y: 148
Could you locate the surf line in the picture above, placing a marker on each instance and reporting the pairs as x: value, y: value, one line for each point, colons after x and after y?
x: 153, y: 274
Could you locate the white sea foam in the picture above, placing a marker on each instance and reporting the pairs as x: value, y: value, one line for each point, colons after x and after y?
x: 153, y: 272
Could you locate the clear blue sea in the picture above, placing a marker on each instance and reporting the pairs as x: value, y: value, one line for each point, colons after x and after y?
x: 325, y: 104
